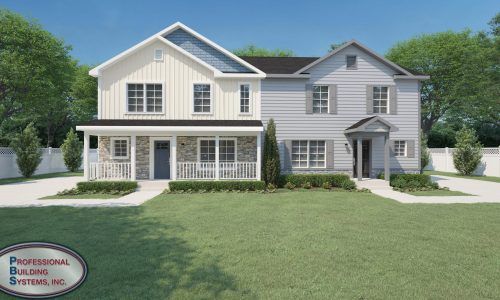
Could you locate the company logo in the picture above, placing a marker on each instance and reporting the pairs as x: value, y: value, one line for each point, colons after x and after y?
x: 40, y: 270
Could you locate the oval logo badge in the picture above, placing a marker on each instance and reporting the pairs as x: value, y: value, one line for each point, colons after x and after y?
x: 40, y: 270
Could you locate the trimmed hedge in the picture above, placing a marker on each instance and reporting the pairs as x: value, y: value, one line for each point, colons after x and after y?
x: 317, y: 180
x: 412, y: 181
x: 106, y: 186
x: 253, y: 185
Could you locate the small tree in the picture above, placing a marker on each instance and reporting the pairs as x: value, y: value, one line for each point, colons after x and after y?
x: 467, y: 154
x: 26, y: 145
x: 424, y: 151
x: 271, y: 159
x: 72, y: 151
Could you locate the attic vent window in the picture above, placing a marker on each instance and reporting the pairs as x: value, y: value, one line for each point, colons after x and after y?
x: 158, y: 54
x: 352, y: 62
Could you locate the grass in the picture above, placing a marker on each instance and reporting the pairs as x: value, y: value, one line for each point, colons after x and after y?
x: 42, y: 176
x: 286, y: 245
x: 82, y: 196
x: 476, y: 177
x: 438, y: 193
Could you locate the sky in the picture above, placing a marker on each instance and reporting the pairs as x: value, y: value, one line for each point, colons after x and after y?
x: 100, y: 29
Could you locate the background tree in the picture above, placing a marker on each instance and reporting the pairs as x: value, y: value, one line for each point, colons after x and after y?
x: 335, y: 46
x: 460, y: 65
x: 467, y: 154
x: 83, y: 96
x: 252, y: 50
x: 72, y: 150
x: 26, y: 145
x: 36, y: 73
x: 424, y: 151
x: 271, y: 158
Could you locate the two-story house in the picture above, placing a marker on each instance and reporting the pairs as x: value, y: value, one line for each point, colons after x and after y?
x: 179, y: 106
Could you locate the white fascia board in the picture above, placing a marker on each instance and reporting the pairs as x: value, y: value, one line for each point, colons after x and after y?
x: 291, y: 76
x: 362, y: 47
x: 168, y: 129
x: 414, y: 77
x: 221, y: 49
x: 240, y: 75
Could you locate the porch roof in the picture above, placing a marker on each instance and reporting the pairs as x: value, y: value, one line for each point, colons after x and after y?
x: 124, y: 126
x: 375, y: 124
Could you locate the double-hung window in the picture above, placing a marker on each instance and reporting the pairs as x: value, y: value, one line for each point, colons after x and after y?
x: 144, y: 98
x: 244, y: 98
x: 399, y: 148
x: 320, y: 99
x: 202, y: 98
x: 380, y: 99
x: 119, y: 148
x: 308, y: 154
x: 227, y: 150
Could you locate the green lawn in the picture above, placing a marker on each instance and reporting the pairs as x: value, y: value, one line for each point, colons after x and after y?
x: 477, y: 177
x: 82, y: 196
x: 438, y: 193
x: 43, y: 176
x: 287, y: 245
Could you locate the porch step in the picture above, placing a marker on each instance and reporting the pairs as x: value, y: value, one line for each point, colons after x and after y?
x: 153, y: 185
x: 372, y: 184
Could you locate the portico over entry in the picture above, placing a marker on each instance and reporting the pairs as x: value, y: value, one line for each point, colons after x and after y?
x: 361, y: 135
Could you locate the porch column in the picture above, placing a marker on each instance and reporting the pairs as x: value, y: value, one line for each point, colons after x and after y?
x: 259, y: 153
x: 173, y: 158
x: 217, y: 175
x: 359, y: 164
x: 86, y: 156
x: 387, y: 162
x: 132, y: 157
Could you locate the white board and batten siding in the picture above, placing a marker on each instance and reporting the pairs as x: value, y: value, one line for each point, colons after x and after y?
x: 284, y: 100
x: 177, y: 73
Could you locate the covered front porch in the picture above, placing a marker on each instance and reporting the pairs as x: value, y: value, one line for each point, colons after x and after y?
x: 362, y: 135
x: 223, y: 152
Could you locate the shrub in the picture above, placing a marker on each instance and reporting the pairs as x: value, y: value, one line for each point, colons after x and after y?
x: 176, y: 186
x: 290, y: 186
x: 317, y: 180
x: 412, y: 182
x: 326, y: 185
x: 26, y: 145
x: 106, y: 186
x: 72, y: 151
x: 467, y: 154
x: 307, y: 185
x: 271, y: 188
x: 424, y: 152
x: 271, y: 157
x: 348, y: 185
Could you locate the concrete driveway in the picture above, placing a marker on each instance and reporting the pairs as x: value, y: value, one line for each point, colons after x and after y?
x: 28, y: 193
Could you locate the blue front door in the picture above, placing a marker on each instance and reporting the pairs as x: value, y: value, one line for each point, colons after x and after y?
x: 162, y: 160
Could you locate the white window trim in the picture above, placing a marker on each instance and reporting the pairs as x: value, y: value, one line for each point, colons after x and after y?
x: 308, y: 143
x: 250, y: 100
x: 405, y: 149
x: 112, y: 147
x: 388, y: 99
x: 162, y: 54
x: 163, y: 97
x: 211, y: 98
x: 327, y: 100
x: 198, y: 155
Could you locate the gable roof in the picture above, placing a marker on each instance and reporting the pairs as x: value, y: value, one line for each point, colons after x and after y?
x: 363, y: 123
x: 160, y: 36
x: 355, y: 43
x: 279, y: 65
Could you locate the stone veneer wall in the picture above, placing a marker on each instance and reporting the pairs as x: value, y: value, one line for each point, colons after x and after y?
x: 142, y: 154
x: 187, y: 148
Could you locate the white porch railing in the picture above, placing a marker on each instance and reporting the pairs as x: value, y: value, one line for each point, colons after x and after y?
x: 109, y: 171
x: 227, y: 170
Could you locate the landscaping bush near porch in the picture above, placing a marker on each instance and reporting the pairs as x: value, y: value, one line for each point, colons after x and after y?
x: 412, y: 182
x: 101, y: 187
x: 195, y: 186
x: 318, y: 180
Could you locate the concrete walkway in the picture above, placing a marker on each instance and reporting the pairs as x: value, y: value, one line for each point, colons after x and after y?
x: 483, y: 191
x: 27, y: 194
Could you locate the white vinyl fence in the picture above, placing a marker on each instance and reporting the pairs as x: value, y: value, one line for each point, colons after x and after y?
x: 441, y: 159
x: 52, y: 161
